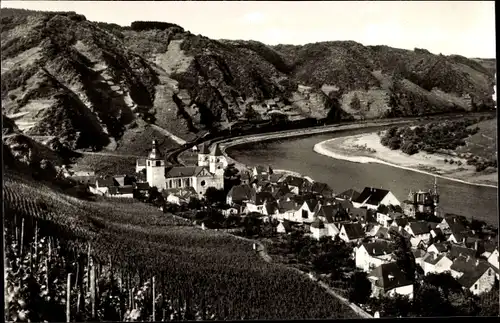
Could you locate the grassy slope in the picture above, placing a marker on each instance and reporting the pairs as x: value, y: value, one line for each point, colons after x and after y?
x: 208, y: 263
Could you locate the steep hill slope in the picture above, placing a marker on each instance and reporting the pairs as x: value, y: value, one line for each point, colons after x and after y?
x: 89, y: 83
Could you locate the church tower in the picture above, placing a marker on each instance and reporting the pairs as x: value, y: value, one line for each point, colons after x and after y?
x: 155, y: 168
x: 203, y: 156
x: 436, y: 197
x: 217, y: 160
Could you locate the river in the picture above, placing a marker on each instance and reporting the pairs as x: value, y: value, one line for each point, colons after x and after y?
x: 296, y: 154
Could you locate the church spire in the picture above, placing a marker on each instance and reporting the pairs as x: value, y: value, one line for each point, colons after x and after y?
x: 155, y: 151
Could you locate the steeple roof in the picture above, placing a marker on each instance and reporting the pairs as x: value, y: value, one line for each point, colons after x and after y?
x: 155, y: 152
x: 217, y: 151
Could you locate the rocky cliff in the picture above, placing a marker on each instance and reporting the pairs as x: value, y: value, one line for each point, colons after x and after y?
x: 93, y: 84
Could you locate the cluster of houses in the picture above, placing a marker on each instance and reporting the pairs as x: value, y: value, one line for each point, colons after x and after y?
x: 365, y: 218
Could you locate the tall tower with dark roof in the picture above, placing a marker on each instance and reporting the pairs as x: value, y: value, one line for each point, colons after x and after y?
x: 155, y: 168
x: 203, y: 156
x: 217, y: 160
x: 436, y: 196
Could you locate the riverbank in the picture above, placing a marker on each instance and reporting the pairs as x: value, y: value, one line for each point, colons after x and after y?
x: 366, y: 148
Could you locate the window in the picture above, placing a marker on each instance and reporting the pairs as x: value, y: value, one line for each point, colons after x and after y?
x: 179, y: 183
x: 305, y: 214
x: 158, y: 163
x: 149, y: 163
x: 203, y: 183
x: 489, y: 272
x: 475, y: 286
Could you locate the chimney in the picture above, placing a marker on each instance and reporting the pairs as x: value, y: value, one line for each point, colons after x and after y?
x: 476, y: 245
x: 477, y: 262
x: 468, y: 258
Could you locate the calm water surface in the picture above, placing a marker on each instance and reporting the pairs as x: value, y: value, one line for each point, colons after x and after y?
x: 296, y: 154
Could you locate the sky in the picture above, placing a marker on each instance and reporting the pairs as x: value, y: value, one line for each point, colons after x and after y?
x: 448, y: 27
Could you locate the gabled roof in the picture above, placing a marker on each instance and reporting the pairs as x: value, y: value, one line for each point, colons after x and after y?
x: 440, y: 246
x: 419, y: 227
x: 271, y: 207
x: 350, y: 194
x: 260, y: 197
x: 378, y: 248
x: 432, y: 258
x: 344, y: 204
x: 418, y: 253
x: 274, y: 178
x: 457, y: 251
x: 294, y: 181
x: 241, y: 192
x: 359, y: 213
x: 288, y: 206
x: 105, y: 182
x: 354, y: 230
x: 311, y: 204
x: 321, y: 188
x: 469, y: 278
x: 401, y: 222
x: 318, y: 224
x: 142, y: 185
x: 372, y: 196
x: 120, y: 180
x: 128, y: 189
x: 458, y: 231
x: 183, y: 171
x: 389, y: 276
x: 260, y: 169
x: 464, y: 264
x: 383, y: 232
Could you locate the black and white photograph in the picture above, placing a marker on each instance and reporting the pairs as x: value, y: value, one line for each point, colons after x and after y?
x: 249, y: 160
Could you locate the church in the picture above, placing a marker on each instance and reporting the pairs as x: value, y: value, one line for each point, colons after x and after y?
x: 208, y: 173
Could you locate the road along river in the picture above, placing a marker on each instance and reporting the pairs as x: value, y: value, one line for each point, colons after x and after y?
x: 296, y: 154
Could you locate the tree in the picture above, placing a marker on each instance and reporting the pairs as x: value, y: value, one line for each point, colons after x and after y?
x: 404, y: 256
x: 213, y: 195
x: 396, y: 306
x: 359, y: 288
x: 409, y: 148
x: 443, y: 281
x: 250, y: 113
x: 394, y: 143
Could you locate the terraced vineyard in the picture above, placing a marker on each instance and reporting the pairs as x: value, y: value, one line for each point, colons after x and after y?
x: 198, y: 274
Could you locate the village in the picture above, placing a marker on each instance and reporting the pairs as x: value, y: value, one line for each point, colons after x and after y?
x: 367, y: 221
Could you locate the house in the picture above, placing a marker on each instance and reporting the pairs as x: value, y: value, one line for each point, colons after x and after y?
x: 436, y: 263
x: 245, y: 177
x: 295, y: 184
x: 257, y: 201
x: 457, y: 233
x: 479, y: 278
x: 382, y: 233
x: 85, y: 180
x: 462, y: 264
x: 286, y: 210
x: 321, y: 189
x: 275, y: 178
x: 357, y: 214
x: 372, y: 198
x: 399, y: 223
x: 331, y: 213
x: 458, y: 251
x: 239, y: 194
x: 270, y: 208
x: 260, y: 170
x: 450, y: 219
x: 419, y: 231
x: 180, y: 195
x: 121, y: 191
x: 493, y: 260
x: 102, y: 185
x: 371, y: 255
x: 318, y: 229
x: 142, y: 187
x: 439, y: 247
x: 386, y: 218
x: 349, y: 195
x: 388, y: 280
x: 284, y: 227
x: 306, y: 212
x: 351, y: 232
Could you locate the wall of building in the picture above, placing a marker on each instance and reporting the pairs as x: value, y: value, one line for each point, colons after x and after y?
x: 403, y: 290
x: 390, y: 199
x: 485, y: 283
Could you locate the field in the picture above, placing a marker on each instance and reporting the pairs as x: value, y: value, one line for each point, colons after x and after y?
x: 483, y: 143
x: 214, y: 268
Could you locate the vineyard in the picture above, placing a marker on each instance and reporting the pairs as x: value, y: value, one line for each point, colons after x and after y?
x: 109, y: 260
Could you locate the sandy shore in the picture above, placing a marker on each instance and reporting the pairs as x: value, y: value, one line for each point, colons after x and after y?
x: 366, y: 148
